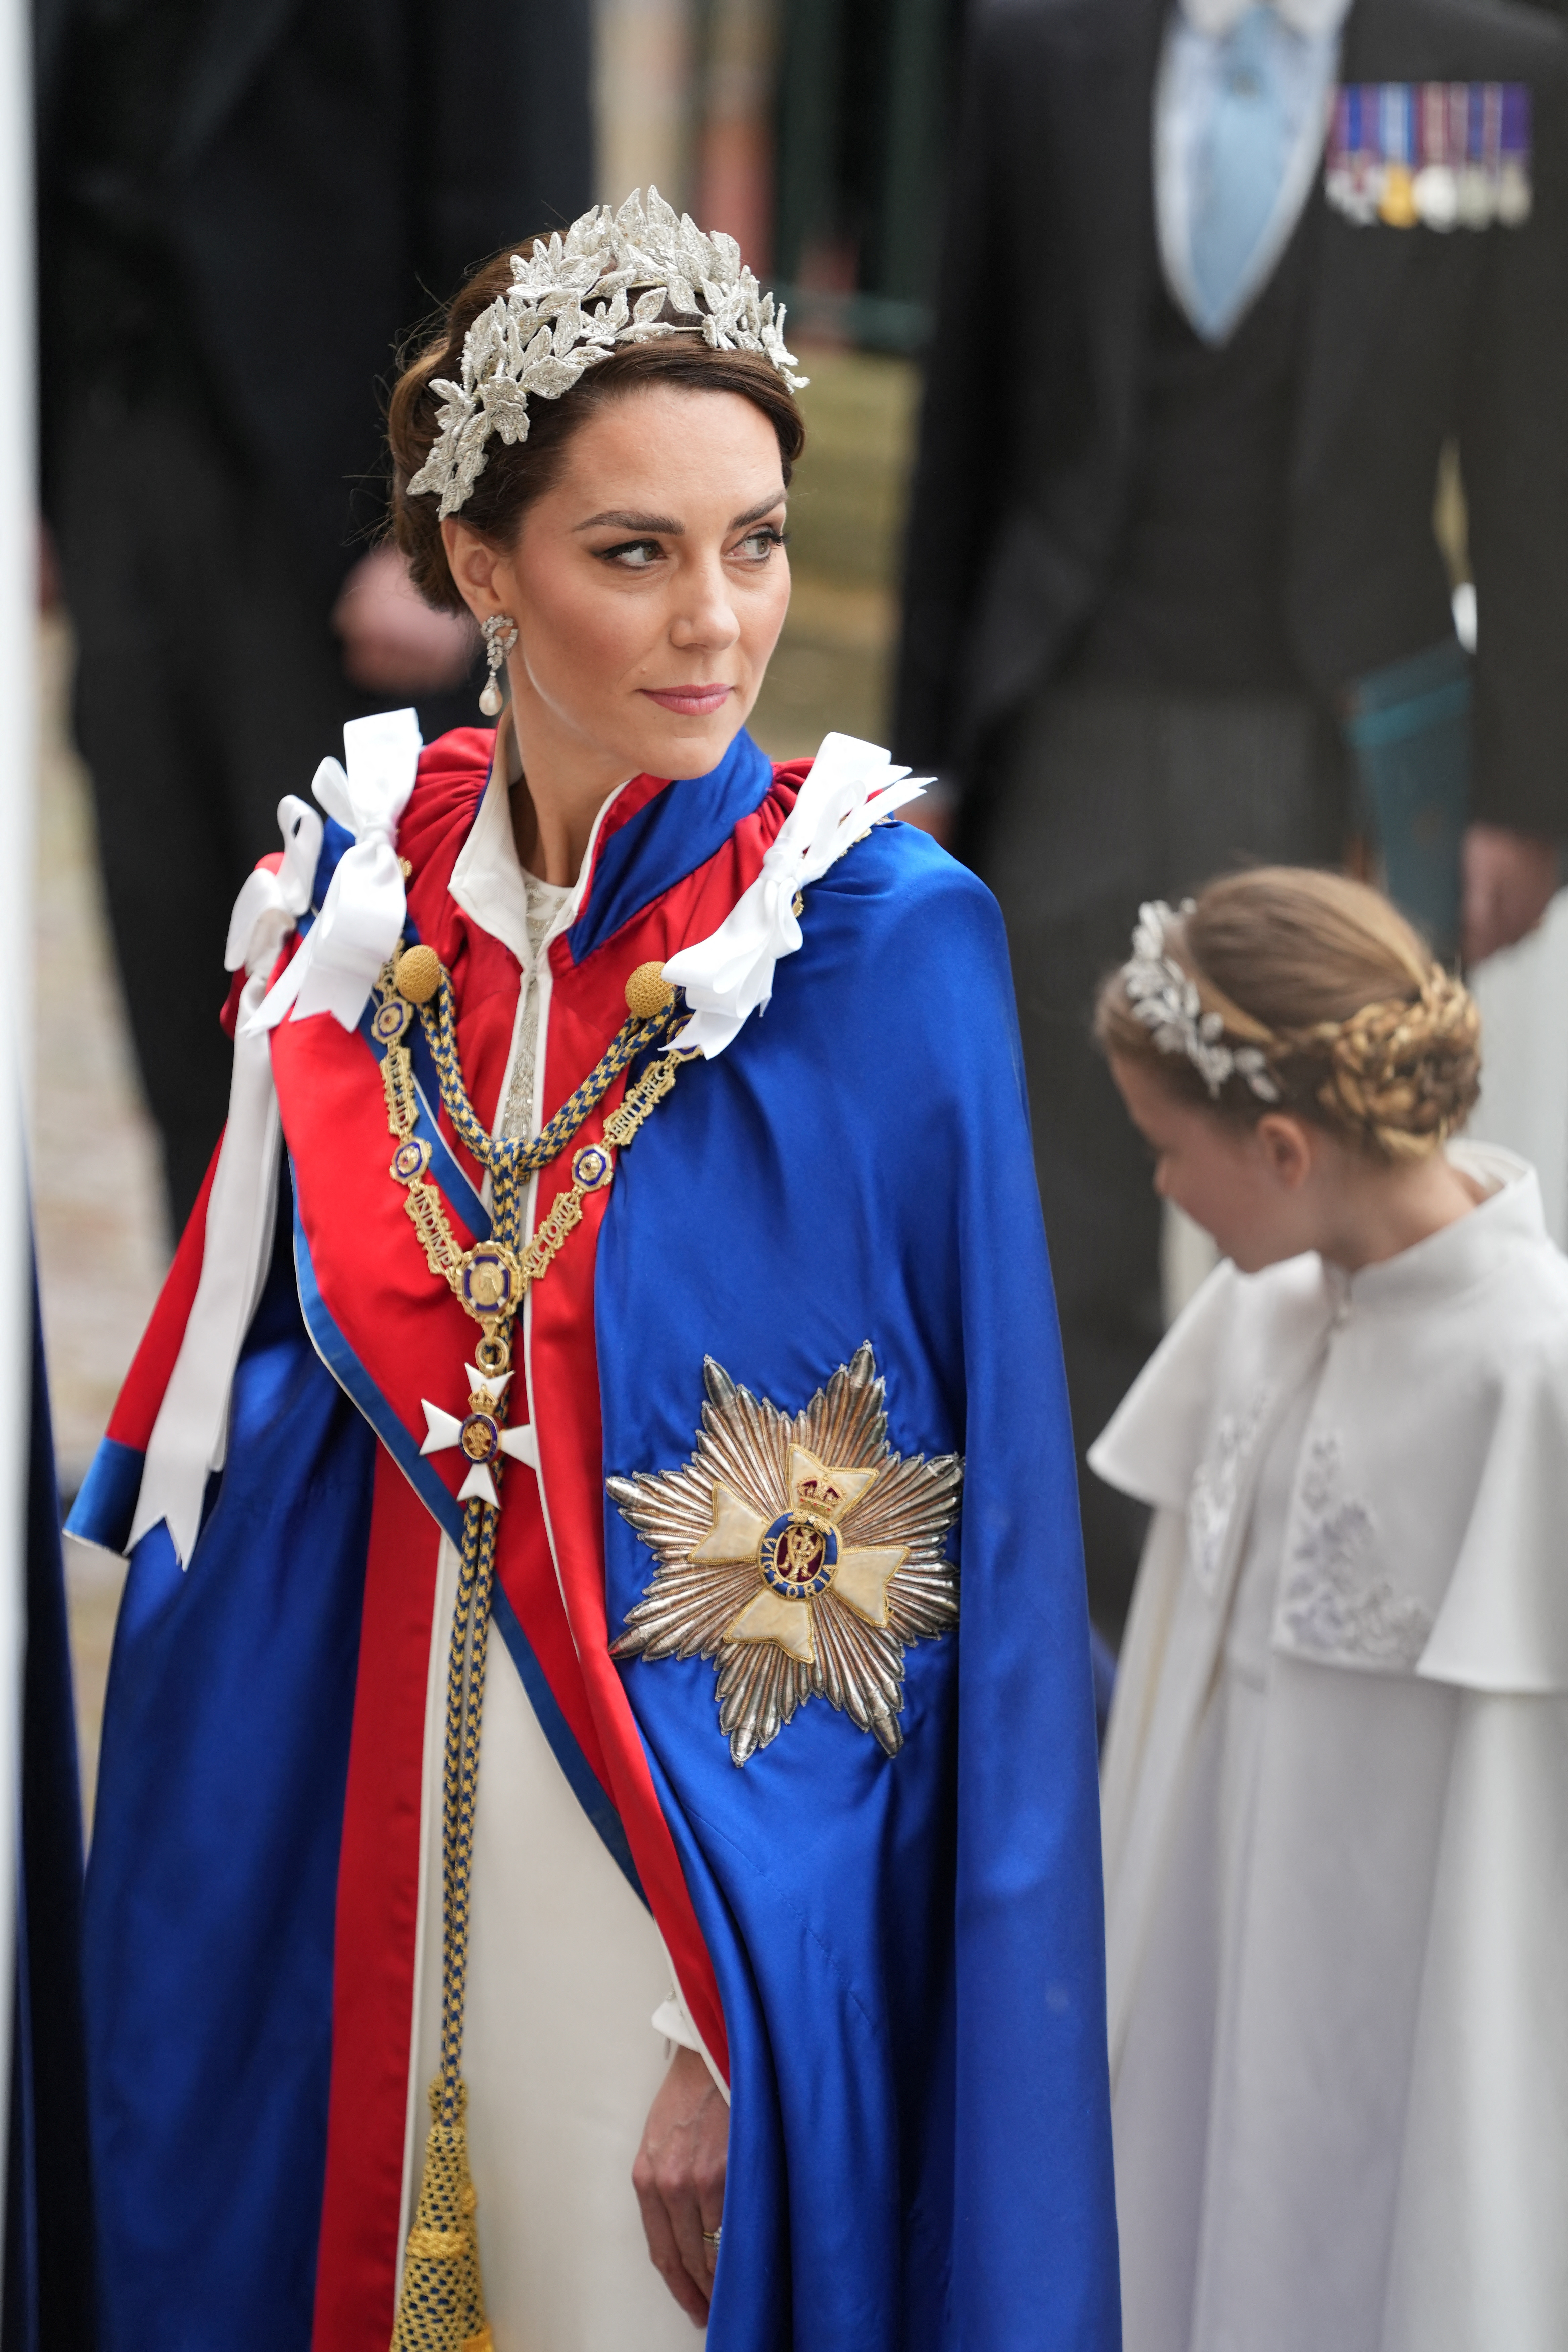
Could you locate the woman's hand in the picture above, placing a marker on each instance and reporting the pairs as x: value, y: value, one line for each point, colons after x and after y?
x: 1509, y: 881
x: 679, y: 2179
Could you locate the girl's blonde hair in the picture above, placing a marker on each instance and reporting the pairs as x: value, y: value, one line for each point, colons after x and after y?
x: 1357, y: 1027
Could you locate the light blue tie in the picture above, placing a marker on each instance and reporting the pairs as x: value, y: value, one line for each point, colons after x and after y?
x: 1245, y: 136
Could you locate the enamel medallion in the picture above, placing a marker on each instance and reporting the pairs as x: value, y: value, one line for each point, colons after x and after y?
x: 799, y: 1552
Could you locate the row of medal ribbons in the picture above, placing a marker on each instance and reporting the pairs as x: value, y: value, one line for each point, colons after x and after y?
x: 1443, y: 154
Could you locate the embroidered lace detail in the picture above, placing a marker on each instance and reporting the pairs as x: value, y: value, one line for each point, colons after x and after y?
x: 545, y: 900
x: 1335, y: 1604
x: 1214, y: 1488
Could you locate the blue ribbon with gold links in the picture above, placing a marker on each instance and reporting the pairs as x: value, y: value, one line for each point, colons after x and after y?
x: 441, y: 2304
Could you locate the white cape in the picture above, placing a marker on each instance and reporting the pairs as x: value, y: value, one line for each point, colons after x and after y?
x: 1337, y: 1859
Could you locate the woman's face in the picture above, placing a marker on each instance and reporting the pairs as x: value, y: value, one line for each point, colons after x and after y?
x: 648, y: 587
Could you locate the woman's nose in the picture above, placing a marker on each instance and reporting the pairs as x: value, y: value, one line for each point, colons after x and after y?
x: 705, y: 614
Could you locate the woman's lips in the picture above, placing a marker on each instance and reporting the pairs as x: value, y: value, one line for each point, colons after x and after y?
x: 691, y: 701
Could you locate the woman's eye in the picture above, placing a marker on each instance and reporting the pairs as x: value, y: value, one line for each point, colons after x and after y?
x: 758, y: 545
x: 633, y: 554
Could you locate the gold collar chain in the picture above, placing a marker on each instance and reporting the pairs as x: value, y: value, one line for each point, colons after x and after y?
x: 492, y: 1278
x: 441, y: 2304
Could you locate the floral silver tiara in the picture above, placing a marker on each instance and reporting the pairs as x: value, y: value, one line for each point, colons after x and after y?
x: 649, y: 274
x: 1166, y: 1001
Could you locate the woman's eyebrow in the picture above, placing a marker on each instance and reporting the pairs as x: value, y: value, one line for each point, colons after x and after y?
x: 667, y: 524
x: 755, y: 514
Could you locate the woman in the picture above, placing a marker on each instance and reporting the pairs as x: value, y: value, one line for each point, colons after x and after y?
x: 738, y: 1764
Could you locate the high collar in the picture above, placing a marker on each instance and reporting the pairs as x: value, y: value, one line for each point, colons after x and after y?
x: 1457, y: 1256
x: 650, y: 835
x: 488, y: 881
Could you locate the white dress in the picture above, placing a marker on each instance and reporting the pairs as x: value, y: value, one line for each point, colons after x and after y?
x: 1336, y: 1805
x: 566, y: 1968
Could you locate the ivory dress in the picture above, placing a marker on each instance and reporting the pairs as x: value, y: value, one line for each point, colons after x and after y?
x: 1335, y: 1800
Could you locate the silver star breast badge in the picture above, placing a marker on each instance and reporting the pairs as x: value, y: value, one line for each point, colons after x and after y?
x: 799, y: 1552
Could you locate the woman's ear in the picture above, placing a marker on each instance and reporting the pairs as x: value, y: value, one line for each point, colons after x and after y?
x: 474, y: 565
x: 1286, y: 1147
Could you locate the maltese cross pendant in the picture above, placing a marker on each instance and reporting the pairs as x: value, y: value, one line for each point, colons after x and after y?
x: 479, y: 1435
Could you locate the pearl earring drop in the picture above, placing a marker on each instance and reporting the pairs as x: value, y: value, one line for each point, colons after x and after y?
x: 500, y: 636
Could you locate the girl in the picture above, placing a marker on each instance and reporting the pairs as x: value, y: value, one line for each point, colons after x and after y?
x: 578, y: 1604
x: 1336, y: 1778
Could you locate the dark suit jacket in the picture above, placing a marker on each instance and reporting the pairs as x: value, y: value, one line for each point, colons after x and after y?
x: 337, y: 167
x: 1030, y: 430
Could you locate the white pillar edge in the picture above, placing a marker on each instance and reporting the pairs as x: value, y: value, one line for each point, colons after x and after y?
x: 18, y: 598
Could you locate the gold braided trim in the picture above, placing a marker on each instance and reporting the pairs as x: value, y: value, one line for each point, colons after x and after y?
x: 437, y: 2245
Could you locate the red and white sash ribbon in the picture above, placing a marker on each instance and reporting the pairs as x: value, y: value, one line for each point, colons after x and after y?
x: 190, y: 1436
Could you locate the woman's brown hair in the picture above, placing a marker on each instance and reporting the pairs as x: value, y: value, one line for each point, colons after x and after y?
x: 515, y: 475
x: 1358, y: 1028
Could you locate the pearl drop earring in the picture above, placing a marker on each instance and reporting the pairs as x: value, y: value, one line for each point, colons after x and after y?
x: 500, y: 636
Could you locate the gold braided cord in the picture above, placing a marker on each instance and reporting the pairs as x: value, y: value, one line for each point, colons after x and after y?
x: 440, y: 2305
x: 438, y: 1021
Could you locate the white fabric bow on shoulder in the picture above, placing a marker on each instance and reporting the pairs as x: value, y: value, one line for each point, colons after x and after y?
x: 363, y: 913
x: 273, y: 899
x: 729, y: 976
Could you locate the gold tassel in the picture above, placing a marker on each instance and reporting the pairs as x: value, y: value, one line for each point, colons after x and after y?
x: 442, y: 2305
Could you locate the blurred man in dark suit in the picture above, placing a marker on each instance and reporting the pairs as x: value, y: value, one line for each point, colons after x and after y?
x: 1166, y: 564
x: 244, y: 204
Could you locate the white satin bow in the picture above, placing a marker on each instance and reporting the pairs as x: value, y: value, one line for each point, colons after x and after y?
x: 729, y: 975
x: 364, y: 911
x: 272, y: 901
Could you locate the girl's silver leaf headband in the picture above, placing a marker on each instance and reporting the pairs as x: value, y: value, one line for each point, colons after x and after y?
x: 1166, y: 1001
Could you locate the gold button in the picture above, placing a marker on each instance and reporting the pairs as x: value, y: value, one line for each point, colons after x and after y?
x: 648, y: 993
x: 418, y: 974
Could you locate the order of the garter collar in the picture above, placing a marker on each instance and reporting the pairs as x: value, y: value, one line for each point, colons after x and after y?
x: 648, y: 274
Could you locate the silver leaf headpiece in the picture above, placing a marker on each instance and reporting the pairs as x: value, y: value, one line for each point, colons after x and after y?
x: 647, y: 274
x: 1166, y: 1000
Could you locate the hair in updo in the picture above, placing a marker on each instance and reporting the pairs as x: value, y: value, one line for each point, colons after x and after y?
x: 515, y: 476
x: 1359, y: 1029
